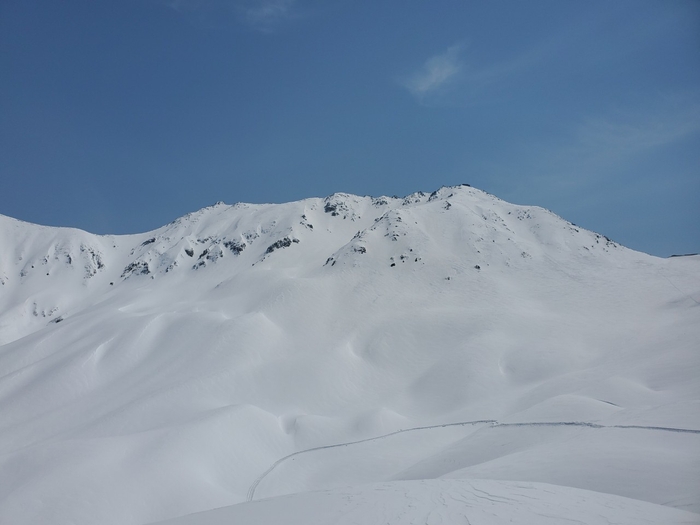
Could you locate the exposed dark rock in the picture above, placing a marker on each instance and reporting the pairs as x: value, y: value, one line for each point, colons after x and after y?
x: 414, y: 198
x: 282, y: 243
x: 136, y: 268
x: 211, y: 254
x: 251, y: 236
x: 336, y: 206
x: 235, y: 247
x: 94, y: 263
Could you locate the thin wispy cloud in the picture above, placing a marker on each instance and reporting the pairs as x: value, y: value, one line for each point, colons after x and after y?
x: 454, y: 77
x: 601, y: 150
x: 191, y: 6
x: 464, y: 75
x: 602, y: 147
x: 435, y: 74
x: 265, y: 16
x: 617, y: 138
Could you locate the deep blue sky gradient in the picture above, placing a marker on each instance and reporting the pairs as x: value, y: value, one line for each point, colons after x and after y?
x: 119, y: 116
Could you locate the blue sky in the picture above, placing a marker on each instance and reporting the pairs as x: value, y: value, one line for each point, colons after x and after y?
x: 119, y: 116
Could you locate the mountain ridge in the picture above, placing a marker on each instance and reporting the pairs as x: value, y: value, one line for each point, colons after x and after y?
x: 252, y: 233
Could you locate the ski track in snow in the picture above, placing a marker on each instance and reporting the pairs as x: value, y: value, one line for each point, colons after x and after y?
x: 251, y: 490
x: 686, y: 294
x: 492, y: 422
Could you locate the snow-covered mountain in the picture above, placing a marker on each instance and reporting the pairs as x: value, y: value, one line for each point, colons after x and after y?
x: 440, y: 344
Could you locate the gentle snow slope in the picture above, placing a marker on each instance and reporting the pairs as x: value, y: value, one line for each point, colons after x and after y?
x: 218, y: 358
x: 433, y: 502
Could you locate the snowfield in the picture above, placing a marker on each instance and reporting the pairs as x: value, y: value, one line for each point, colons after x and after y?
x: 441, y: 358
x: 437, y: 502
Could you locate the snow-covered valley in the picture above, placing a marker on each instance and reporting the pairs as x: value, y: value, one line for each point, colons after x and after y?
x: 439, y: 358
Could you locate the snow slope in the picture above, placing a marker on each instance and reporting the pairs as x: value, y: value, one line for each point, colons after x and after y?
x: 251, y: 351
x: 433, y: 502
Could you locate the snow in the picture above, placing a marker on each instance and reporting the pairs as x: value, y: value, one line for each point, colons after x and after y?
x: 303, y: 355
x: 437, y: 502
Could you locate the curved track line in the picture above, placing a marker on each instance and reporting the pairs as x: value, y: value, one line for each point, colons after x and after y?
x: 594, y: 425
x: 665, y: 429
x: 251, y: 490
x: 492, y: 422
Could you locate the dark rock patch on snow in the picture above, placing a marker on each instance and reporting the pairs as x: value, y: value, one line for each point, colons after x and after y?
x: 282, y: 243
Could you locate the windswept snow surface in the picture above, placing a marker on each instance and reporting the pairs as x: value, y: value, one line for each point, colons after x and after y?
x: 412, y: 349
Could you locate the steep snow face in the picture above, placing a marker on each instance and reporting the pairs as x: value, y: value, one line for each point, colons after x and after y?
x: 444, y: 335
